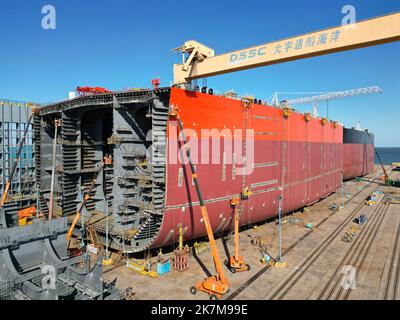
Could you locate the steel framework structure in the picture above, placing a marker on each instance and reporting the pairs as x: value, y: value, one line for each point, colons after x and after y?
x: 330, y: 96
x: 13, y: 121
x: 336, y: 95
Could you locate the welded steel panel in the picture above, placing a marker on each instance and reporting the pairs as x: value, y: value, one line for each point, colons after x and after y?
x: 302, y: 158
x: 358, y: 156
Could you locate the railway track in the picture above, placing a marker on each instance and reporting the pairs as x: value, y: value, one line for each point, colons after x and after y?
x: 289, y: 283
x: 355, y: 256
x: 293, y: 245
x: 394, y: 270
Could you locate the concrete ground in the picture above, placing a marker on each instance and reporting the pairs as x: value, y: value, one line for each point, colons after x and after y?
x: 319, y: 264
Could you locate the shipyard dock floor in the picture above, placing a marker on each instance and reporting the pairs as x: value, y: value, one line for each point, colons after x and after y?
x: 320, y: 265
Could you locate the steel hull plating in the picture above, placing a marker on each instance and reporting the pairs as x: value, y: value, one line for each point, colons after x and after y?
x: 303, y: 158
x: 358, y: 153
x: 358, y: 160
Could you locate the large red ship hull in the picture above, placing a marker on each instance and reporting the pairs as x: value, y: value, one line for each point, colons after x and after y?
x: 150, y: 194
x: 358, y: 160
x: 303, y: 158
x: 358, y: 153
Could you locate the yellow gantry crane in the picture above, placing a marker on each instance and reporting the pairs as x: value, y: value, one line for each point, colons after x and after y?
x: 200, y: 61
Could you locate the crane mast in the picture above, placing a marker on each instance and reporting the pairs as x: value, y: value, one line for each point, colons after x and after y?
x: 199, y: 61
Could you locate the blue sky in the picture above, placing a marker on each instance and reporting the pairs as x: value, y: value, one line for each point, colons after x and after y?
x: 124, y: 44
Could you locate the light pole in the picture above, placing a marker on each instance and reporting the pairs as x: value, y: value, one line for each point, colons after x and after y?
x: 342, y: 190
x: 280, y: 228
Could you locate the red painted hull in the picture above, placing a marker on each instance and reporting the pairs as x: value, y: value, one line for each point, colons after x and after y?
x: 300, y: 158
x: 358, y: 160
x: 310, y: 151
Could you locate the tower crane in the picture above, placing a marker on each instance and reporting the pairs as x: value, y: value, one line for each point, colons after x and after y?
x: 330, y: 96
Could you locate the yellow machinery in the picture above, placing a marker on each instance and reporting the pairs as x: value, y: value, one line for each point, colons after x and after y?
x: 217, y: 284
x: 236, y: 262
x: 108, y: 262
x: 200, y: 247
x: 202, y: 61
x: 26, y: 215
x: 140, y: 268
x: 83, y: 203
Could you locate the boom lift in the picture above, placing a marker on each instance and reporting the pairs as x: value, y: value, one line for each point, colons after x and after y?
x: 216, y: 285
x: 84, y: 201
x: 34, y: 110
x: 200, y: 61
x: 236, y: 262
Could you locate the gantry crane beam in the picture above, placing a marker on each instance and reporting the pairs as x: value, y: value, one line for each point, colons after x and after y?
x: 203, y: 63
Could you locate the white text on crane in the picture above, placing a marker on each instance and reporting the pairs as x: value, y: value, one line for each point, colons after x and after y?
x: 246, y: 55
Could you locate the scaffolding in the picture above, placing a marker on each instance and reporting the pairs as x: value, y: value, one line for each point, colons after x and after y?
x: 13, y: 121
